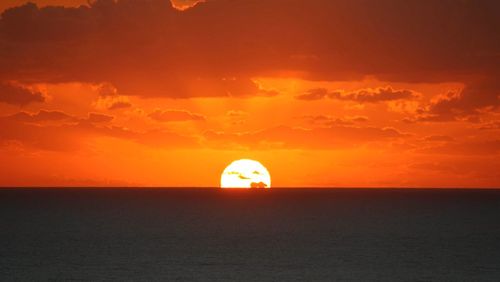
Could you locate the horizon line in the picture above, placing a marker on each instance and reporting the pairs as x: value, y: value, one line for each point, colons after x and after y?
x: 244, y: 189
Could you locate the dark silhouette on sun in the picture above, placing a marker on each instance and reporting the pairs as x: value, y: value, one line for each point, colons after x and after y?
x: 258, y: 185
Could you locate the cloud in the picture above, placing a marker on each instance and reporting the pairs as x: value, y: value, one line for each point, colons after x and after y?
x: 116, y: 105
x: 314, y: 94
x: 331, y: 121
x: 73, y: 134
x: 149, y: 48
x: 360, y: 96
x: 175, y: 115
x: 68, y: 3
x: 44, y: 116
x: 467, y: 105
x: 19, y: 95
x: 333, y: 137
x: 183, y: 86
x: 41, y: 116
x: 99, y: 118
x: 109, y: 99
x: 86, y: 44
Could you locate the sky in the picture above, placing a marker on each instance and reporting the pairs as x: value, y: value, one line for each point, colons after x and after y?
x: 324, y: 93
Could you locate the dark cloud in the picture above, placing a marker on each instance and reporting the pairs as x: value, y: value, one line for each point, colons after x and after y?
x: 112, y: 102
x: 56, y: 116
x: 175, y: 115
x: 149, y: 48
x: 99, y: 118
x: 19, y: 95
x: 106, y: 90
x: 109, y: 98
x: 360, y: 96
x: 314, y: 94
x: 41, y: 116
x: 378, y: 95
x: 468, y: 105
x: 116, y: 105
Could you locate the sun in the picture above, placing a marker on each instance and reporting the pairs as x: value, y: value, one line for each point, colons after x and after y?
x: 245, y: 174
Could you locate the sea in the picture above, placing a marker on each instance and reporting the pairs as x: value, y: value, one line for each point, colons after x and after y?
x: 167, y: 234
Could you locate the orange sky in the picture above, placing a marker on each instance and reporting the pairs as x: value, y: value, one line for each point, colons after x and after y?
x: 324, y: 92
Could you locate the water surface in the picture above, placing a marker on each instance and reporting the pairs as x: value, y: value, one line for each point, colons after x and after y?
x: 281, y: 234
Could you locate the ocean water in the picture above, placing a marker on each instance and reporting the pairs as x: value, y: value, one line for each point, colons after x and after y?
x: 251, y: 235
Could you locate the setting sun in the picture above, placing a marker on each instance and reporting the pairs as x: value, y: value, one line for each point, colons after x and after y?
x: 245, y: 174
